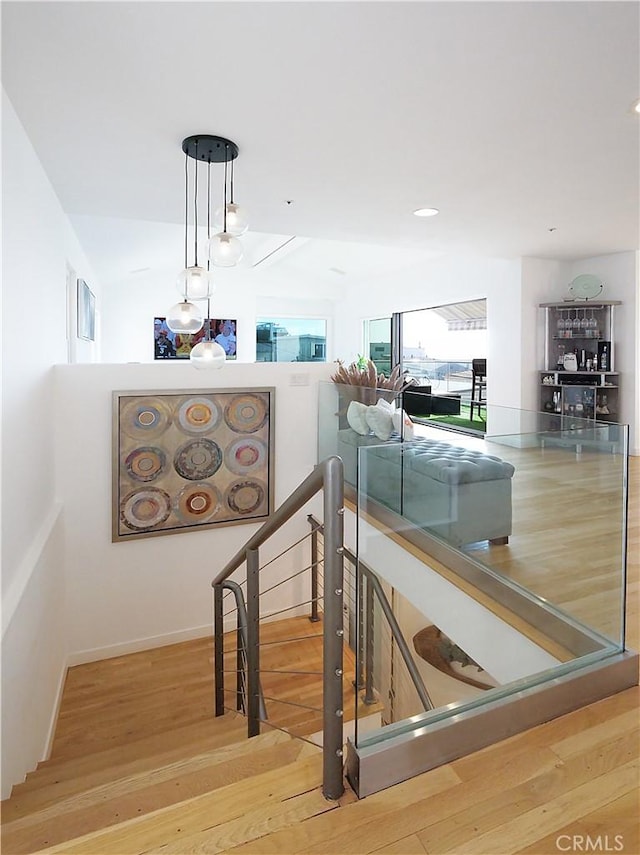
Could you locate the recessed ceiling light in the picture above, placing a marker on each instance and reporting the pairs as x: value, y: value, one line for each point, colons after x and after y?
x: 636, y: 107
x: 426, y: 212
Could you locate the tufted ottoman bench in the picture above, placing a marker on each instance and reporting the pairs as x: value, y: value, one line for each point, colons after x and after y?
x: 460, y: 495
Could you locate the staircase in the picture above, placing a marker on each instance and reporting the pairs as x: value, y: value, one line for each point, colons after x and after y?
x: 139, y: 765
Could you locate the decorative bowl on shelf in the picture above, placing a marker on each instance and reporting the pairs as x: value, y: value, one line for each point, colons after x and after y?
x: 586, y: 287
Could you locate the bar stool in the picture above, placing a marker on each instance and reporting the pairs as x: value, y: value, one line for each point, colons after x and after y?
x: 478, y: 385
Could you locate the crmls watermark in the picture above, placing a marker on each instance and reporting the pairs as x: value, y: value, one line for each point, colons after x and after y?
x: 587, y: 843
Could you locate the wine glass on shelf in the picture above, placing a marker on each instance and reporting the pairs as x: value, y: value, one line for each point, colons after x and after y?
x: 584, y: 321
x: 576, y: 323
x: 560, y: 324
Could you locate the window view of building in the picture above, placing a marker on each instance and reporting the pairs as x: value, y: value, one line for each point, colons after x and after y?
x: 291, y: 340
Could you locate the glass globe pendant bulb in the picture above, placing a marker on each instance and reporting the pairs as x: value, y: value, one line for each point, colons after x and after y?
x: 184, y: 318
x: 207, y: 354
x: 225, y: 250
x: 195, y: 283
x: 237, y: 219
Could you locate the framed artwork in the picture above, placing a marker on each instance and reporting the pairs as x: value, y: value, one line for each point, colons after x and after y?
x: 191, y: 459
x: 170, y: 345
x: 86, y: 305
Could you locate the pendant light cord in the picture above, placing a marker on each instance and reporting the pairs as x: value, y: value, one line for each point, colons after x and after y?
x: 226, y: 164
x: 195, y: 209
x: 207, y: 334
x: 186, y: 209
x: 231, y: 199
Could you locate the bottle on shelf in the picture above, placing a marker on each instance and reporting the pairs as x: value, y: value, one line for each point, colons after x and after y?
x: 604, y: 359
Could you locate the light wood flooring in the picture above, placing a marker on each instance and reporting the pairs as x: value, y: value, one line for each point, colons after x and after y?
x: 566, y: 544
x: 139, y: 766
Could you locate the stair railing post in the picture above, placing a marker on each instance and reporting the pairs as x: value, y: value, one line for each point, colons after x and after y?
x: 314, y: 571
x: 333, y: 634
x: 240, y: 663
x: 369, y: 697
x: 253, y: 642
x: 359, y: 680
x: 218, y: 649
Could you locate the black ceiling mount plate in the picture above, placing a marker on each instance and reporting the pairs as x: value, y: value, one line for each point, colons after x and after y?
x: 209, y: 148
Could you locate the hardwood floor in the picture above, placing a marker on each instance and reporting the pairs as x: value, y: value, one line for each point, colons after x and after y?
x: 139, y: 766
x: 566, y: 544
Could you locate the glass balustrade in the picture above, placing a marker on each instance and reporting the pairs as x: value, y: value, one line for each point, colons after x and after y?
x: 502, y: 558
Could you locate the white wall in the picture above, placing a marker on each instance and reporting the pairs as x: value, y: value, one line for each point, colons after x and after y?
x: 131, y: 595
x: 37, y: 243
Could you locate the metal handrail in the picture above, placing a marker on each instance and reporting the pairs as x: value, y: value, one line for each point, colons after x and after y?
x: 242, y: 645
x: 396, y: 632
x: 329, y: 477
x: 311, y: 485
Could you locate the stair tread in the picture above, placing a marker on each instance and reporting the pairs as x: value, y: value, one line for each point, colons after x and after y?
x: 254, y: 824
x: 136, y: 795
x: 203, y: 812
x: 189, y: 739
x: 134, y: 773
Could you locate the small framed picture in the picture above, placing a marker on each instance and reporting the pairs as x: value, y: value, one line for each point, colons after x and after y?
x: 86, y: 312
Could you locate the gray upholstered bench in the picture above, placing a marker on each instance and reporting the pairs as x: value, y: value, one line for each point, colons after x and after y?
x: 461, y: 495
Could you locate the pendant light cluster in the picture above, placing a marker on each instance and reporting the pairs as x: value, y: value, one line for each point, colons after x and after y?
x: 195, y: 283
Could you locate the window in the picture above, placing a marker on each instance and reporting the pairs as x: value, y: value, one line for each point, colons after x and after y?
x: 291, y: 340
x: 377, y: 337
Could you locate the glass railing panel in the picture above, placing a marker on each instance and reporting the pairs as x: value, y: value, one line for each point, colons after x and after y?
x: 336, y: 436
x: 526, y: 533
x: 446, y: 392
x: 444, y: 376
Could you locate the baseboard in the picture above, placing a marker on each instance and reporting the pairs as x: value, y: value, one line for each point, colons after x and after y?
x: 94, y: 654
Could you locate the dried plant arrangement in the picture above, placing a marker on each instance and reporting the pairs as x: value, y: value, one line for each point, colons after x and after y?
x: 363, y: 372
x: 364, y: 384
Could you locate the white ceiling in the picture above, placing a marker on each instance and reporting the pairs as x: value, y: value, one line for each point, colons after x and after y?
x: 512, y: 118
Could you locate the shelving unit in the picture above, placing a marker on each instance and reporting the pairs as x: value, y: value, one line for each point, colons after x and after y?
x: 589, y: 392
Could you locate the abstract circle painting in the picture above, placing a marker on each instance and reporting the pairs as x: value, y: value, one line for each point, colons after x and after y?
x: 198, y: 459
x: 246, y: 413
x: 192, y: 458
x: 145, y: 508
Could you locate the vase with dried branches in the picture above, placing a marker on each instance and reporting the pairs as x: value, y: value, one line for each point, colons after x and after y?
x: 360, y: 381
